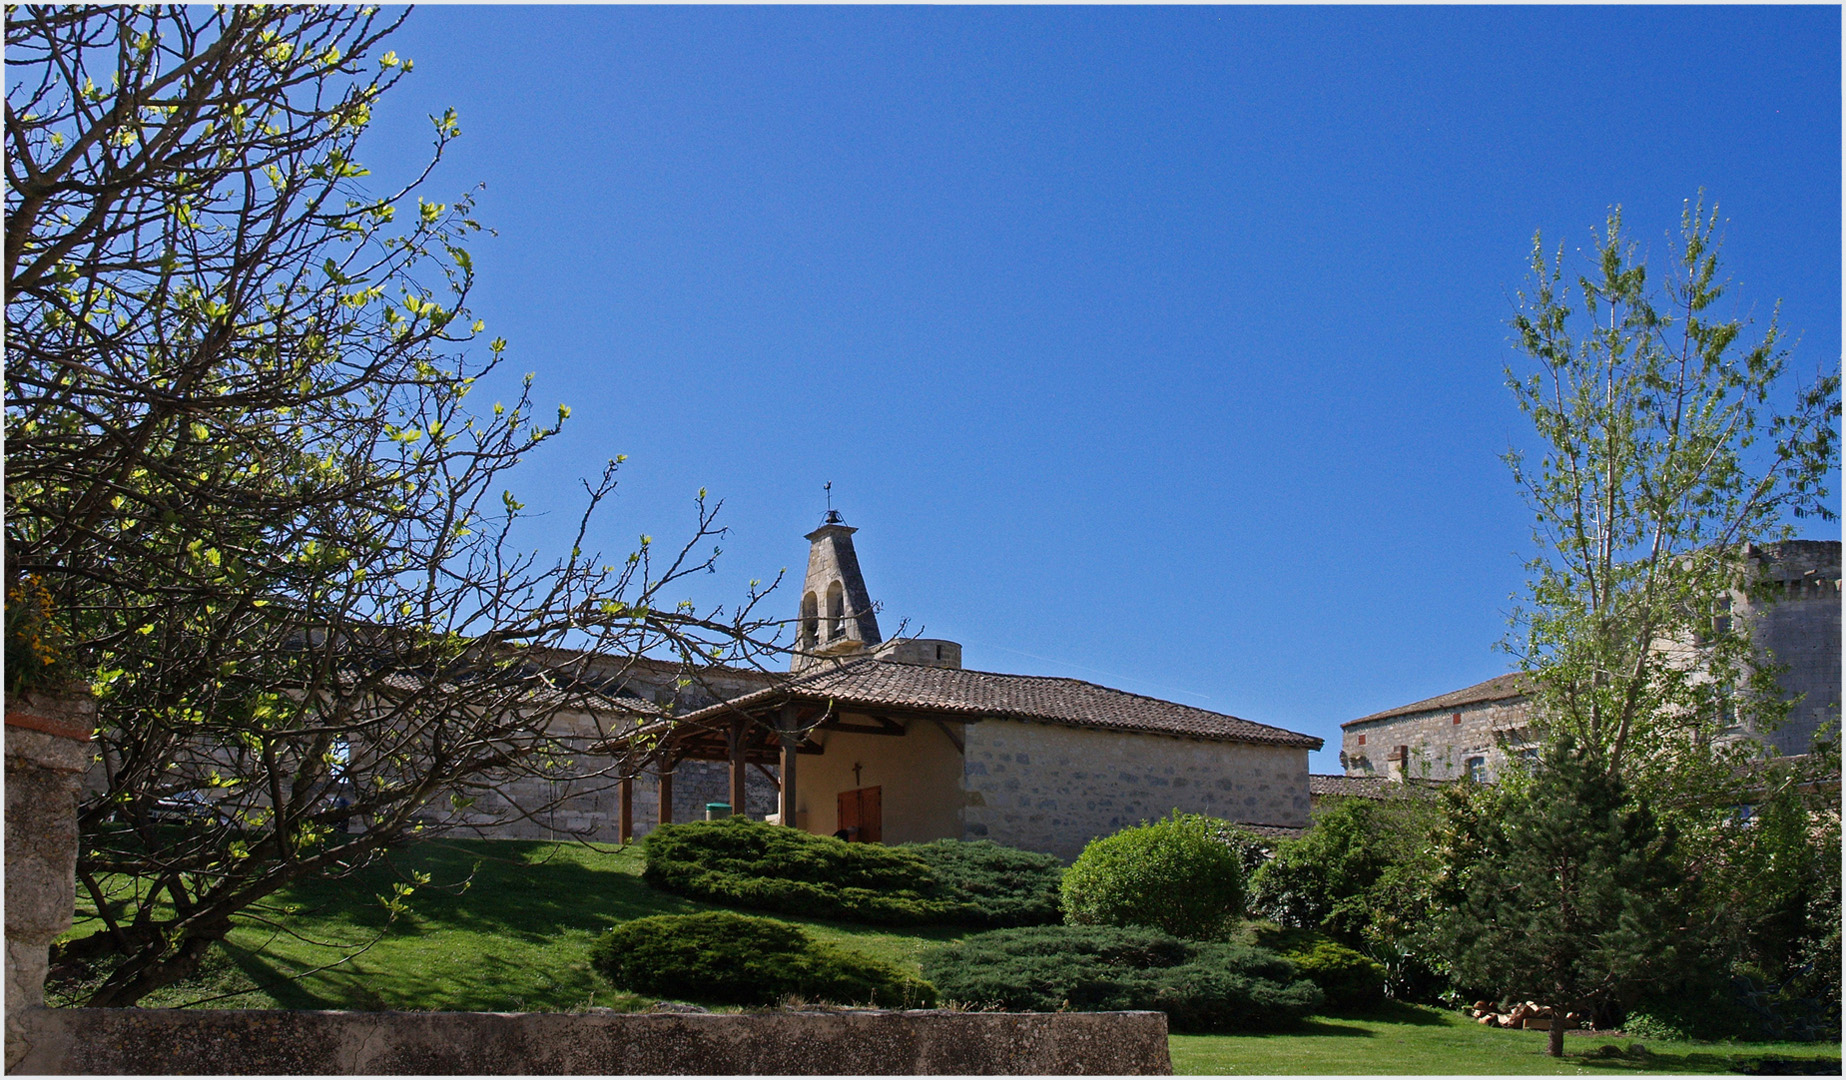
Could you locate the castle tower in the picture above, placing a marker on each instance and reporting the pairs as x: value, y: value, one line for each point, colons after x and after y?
x: 836, y: 611
x: 1794, y: 608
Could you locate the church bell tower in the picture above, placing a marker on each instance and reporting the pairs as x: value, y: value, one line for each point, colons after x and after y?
x: 836, y: 611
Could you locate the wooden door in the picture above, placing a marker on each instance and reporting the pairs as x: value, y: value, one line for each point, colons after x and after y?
x: 861, y: 815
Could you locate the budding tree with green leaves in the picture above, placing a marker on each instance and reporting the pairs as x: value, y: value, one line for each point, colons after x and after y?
x: 1668, y: 439
x: 252, y: 495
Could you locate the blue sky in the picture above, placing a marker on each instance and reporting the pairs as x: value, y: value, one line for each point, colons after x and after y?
x: 1160, y: 347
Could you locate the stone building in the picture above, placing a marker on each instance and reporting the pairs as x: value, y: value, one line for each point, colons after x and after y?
x: 894, y: 741
x: 1792, y: 603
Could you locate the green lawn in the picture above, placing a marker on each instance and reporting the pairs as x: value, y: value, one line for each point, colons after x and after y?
x: 507, y: 925
x: 1412, y: 1039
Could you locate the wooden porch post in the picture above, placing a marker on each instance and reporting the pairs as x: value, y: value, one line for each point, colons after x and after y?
x: 791, y: 740
x: 740, y: 733
x: 666, y: 791
x: 625, y: 791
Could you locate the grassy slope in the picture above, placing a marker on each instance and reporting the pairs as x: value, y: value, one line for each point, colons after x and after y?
x: 502, y: 925
x: 516, y: 937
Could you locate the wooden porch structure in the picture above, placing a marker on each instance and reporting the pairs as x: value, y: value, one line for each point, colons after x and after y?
x: 759, y: 735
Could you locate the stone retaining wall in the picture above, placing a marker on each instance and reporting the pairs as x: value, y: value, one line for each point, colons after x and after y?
x: 271, y: 1042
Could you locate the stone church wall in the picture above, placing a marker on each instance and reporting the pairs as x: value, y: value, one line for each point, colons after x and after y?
x: 1050, y: 788
x: 586, y: 803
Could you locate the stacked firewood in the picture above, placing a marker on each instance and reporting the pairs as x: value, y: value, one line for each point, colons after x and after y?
x: 1529, y: 1015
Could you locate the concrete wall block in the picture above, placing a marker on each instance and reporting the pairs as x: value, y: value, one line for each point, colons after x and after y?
x: 861, y: 1042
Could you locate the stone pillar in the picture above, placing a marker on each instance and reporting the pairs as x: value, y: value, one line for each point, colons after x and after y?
x: 47, y: 752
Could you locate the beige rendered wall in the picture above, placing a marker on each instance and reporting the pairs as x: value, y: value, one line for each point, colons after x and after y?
x: 1048, y: 788
x: 920, y: 773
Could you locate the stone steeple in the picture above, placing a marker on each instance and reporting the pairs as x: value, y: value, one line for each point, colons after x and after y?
x: 836, y: 611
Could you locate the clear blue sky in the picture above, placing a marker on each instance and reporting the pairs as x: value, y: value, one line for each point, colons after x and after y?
x: 1157, y: 347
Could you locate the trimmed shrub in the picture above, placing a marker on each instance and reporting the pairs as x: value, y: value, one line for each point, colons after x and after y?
x: 721, y: 957
x: 995, y: 886
x: 1201, y: 986
x: 1347, y: 977
x: 1173, y: 875
x: 752, y: 864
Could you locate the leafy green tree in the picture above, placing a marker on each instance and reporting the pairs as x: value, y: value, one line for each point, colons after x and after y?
x: 1766, y: 883
x: 1575, y: 899
x: 1360, y: 875
x: 248, y: 492
x: 1667, y: 442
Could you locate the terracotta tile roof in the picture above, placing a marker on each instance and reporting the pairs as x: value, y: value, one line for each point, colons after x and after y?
x: 872, y: 684
x: 1271, y: 832
x: 1498, y: 688
x: 1367, y: 787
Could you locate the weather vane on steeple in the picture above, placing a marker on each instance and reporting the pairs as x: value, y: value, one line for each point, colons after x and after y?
x: 829, y: 489
x: 833, y: 516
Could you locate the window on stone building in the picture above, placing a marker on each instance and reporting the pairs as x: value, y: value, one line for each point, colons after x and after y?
x: 810, y: 619
x: 836, y: 611
x: 1361, y: 740
x: 1456, y: 719
x: 1477, y: 769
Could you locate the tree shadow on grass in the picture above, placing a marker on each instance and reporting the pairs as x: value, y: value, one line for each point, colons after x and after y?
x: 492, y: 887
x: 1744, y: 1062
x: 494, y: 984
x: 267, y: 977
x: 1317, y: 1025
x: 1392, y: 1012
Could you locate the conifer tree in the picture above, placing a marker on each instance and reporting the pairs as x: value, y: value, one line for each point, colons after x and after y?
x: 1575, y: 900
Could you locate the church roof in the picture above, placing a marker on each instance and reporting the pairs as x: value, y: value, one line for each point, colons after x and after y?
x: 868, y: 683
x: 1498, y: 688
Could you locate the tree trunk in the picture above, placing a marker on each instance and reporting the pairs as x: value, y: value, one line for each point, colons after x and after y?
x: 1556, y: 1045
x: 154, y: 967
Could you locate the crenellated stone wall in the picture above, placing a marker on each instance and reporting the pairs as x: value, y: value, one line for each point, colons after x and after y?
x: 1049, y: 788
x: 1795, y: 616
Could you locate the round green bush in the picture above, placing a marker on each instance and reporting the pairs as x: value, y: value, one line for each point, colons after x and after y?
x: 1173, y: 875
x: 751, y: 864
x: 721, y: 957
x: 1201, y: 986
